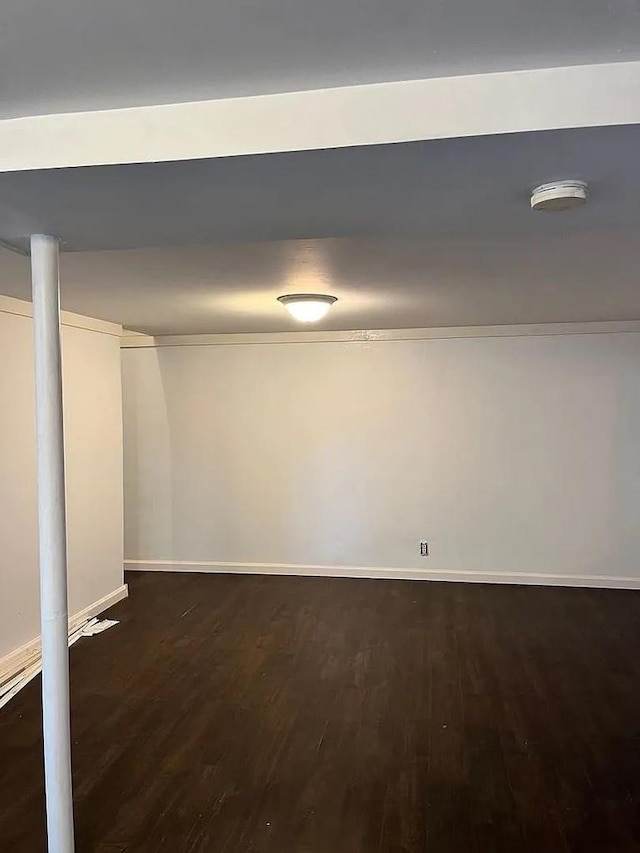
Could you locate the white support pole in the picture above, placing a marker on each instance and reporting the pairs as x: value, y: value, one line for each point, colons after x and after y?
x: 53, y: 545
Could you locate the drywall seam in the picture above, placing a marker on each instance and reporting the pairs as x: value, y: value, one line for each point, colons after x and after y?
x: 373, y: 572
x: 21, y: 308
x: 15, y: 660
x: 374, y: 335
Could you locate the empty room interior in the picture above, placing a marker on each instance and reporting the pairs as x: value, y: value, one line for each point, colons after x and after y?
x: 320, y: 431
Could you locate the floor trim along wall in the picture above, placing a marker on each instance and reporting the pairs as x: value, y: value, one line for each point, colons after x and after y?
x: 12, y: 663
x: 592, y: 581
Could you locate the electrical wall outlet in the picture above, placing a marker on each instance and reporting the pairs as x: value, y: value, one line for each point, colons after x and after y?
x: 424, y: 548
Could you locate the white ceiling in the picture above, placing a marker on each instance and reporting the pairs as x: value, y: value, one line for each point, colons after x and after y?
x: 477, y: 186
x: 74, y: 55
x: 381, y: 283
x: 420, y: 234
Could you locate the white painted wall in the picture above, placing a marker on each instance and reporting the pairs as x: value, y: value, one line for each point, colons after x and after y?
x: 93, y: 438
x: 515, y: 455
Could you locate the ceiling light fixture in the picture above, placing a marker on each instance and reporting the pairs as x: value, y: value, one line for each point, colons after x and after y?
x: 559, y: 195
x: 307, y: 307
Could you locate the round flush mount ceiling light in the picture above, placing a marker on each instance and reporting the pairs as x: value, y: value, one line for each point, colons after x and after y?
x: 307, y: 307
x: 559, y: 195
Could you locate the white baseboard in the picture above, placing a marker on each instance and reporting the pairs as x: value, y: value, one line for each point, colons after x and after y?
x: 13, y: 662
x: 99, y: 606
x: 214, y: 567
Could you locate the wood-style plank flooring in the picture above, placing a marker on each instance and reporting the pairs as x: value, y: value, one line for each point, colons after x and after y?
x: 307, y: 715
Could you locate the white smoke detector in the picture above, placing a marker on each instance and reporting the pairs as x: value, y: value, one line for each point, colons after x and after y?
x: 559, y: 195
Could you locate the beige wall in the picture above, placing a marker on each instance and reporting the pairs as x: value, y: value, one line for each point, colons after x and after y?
x: 93, y: 438
x: 514, y: 455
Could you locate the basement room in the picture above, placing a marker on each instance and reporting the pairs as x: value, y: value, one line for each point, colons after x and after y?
x: 319, y: 457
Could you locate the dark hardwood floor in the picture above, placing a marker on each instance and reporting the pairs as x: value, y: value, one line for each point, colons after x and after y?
x: 304, y: 715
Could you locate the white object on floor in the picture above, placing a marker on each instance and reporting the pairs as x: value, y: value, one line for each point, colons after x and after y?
x: 14, y: 685
x: 97, y: 627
